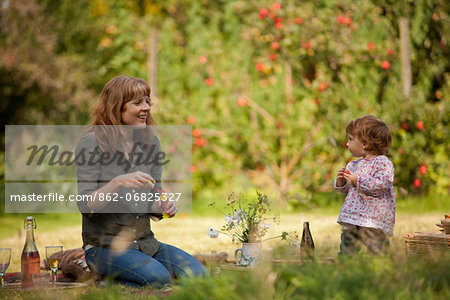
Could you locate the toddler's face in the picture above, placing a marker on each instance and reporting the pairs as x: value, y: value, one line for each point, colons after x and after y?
x: 355, y: 147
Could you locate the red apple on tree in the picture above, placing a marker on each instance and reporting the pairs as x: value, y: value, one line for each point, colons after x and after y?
x: 241, y: 101
x: 306, y: 45
x: 420, y: 125
x: 404, y: 126
x: 260, y: 67
x: 278, y: 23
x: 191, y: 120
x: 385, y: 64
x: 423, y: 169
x: 322, y: 86
x: 275, y: 45
x: 276, y: 6
x: 209, y: 81
x: 272, y: 56
x: 196, y: 133
x: 200, y: 142
x: 172, y: 149
x: 263, y: 13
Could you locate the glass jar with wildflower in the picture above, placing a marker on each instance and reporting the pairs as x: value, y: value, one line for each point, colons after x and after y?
x: 246, y: 223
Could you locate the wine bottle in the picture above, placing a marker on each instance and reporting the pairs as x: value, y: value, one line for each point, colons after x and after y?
x: 30, y: 260
x: 306, y: 244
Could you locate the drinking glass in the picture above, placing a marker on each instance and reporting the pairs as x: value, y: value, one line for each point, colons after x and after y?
x: 54, y: 255
x: 5, y: 258
x: 40, y: 280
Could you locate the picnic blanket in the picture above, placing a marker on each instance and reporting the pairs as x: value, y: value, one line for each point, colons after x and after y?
x: 73, y: 265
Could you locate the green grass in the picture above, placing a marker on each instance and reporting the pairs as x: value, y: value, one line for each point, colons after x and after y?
x: 391, y: 277
x: 321, y: 203
x: 427, y: 203
x: 326, y: 204
x: 330, y: 203
x: 13, y: 223
x: 359, y: 277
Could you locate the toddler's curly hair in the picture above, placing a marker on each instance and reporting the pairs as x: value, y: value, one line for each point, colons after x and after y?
x: 373, y: 133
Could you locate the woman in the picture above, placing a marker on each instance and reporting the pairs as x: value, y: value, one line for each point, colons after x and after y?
x: 117, y: 239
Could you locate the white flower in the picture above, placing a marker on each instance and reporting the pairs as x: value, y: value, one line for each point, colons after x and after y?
x: 231, y: 221
x: 266, y: 226
x: 239, y: 215
x: 213, y: 233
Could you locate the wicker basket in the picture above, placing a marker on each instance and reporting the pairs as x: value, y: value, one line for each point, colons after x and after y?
x: 427, y: 243
x: 446, y: 225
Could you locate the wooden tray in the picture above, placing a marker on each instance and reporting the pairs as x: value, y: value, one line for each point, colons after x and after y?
x: 58, y: 286
x: 235, y: 267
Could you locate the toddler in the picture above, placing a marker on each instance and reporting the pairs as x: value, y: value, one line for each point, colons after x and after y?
x: 368, y: 213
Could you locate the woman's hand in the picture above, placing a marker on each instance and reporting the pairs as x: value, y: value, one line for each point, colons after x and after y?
x: 351, y: 177
x: 132, y: 180
x: 170, y: 208
x: 340, y: 179
x: 166, y: 207
x: 136, y: 179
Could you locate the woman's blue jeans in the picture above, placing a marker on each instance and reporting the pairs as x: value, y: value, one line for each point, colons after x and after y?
x: 137, y: 269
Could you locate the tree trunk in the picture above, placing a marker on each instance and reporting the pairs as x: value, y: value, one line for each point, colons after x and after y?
x: 405, y: 55
x: 288, y: 83
x: 153, y: 65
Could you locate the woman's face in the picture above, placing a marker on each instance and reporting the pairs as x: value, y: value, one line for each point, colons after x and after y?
x: 136, y: 111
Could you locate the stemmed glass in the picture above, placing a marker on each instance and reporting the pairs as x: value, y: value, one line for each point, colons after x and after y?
x: 5, y: 258
x: 54, y: 255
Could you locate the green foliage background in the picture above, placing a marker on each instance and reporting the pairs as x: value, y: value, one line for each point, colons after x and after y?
x: 268, y: 86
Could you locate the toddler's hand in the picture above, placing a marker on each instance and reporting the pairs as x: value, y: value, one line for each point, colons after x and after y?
x: 351, y: 177
x: 340, y: 180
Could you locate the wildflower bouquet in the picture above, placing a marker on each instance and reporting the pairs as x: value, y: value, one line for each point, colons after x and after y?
x: 245, y: 220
